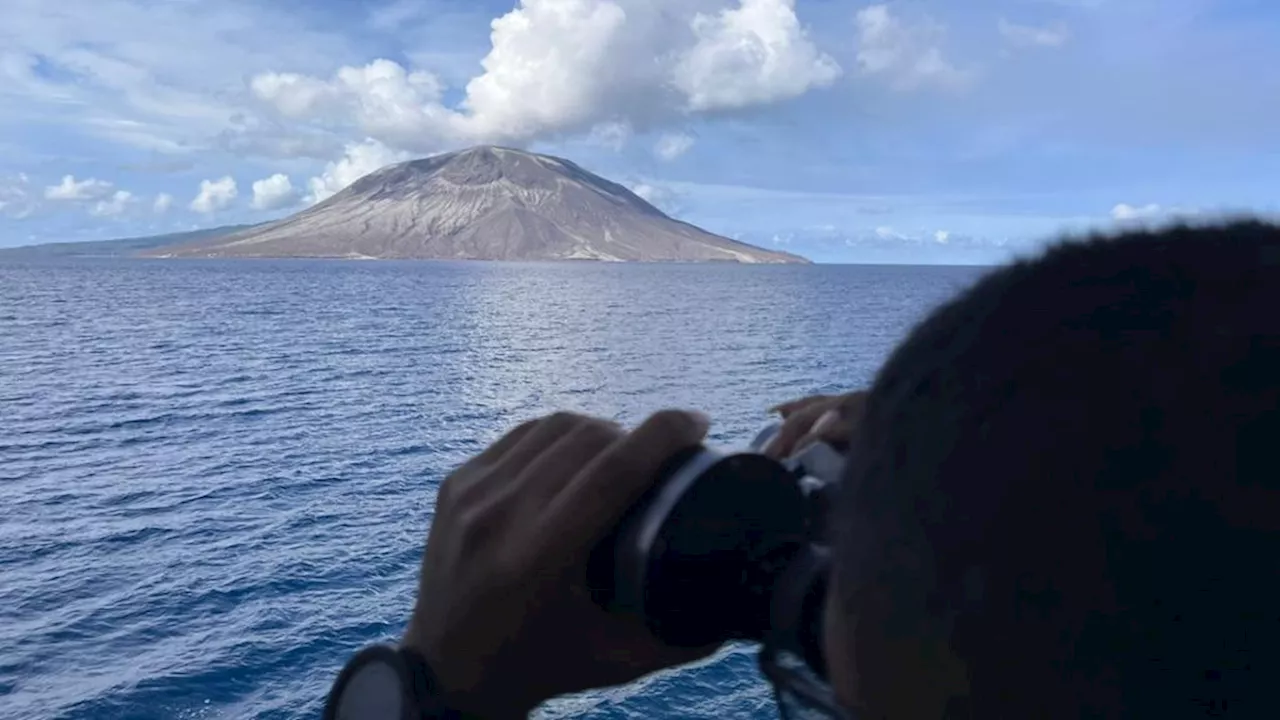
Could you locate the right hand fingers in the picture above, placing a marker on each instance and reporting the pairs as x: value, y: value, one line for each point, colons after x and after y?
x: 795, y: 426
x: 829, y: 418
x: 518, y: 446
x: 593, y: 502
x: 560, y: 459
x: 787, y: 409
x: 543, y: 438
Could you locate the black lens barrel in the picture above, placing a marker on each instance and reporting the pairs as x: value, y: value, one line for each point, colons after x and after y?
x: 699, y: 556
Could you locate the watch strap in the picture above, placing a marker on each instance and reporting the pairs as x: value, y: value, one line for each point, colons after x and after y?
x: 425, y: 688
x: 420, y: 696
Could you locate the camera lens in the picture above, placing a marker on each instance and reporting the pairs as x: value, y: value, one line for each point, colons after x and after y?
x: 699, y: 556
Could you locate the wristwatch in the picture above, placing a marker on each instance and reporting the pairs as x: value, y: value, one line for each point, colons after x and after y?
x: 382, y: 682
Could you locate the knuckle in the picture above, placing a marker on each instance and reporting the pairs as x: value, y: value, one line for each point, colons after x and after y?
x: 467, y: 521
x: 452, y: 488
x: 523, y: 428
x: 486, y: 494
x: 465, y: 497
x: 448, y: 492
x: 818, y: 409
x: 597, y: 431
x: 476, y: 525
x: 562, y: 418
x: 674, y: 424
x: 465, y: 491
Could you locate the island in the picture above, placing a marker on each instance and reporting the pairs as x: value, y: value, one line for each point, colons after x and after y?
x: 483, y: 203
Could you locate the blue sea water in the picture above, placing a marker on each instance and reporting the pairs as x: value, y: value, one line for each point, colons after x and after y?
x: 216, y: 477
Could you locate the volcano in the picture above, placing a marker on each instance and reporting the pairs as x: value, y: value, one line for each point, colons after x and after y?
x: 484, y: 203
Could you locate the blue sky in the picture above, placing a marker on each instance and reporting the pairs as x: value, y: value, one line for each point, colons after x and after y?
x: 904, y: 131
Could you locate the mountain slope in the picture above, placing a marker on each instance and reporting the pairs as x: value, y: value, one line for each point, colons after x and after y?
x: 122, y: 247
x: 485, y: 203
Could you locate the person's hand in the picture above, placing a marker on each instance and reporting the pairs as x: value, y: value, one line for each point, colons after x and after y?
x: 503, y: 615
x: 827, y: 418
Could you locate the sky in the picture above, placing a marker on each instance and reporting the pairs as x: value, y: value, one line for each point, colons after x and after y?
x: 925, y: 131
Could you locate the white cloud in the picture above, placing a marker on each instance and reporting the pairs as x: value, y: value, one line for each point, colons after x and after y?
x: 756, y: 53
x: 552, y: 65
x: 546, y: 71
x: 566, y: 66
x: 612, y: 135
x: 1125, y: 212
x: 672, y: 145
x: 70, y: 189
x: 381, y: 97
x: 215, y: 195
x: 647, y: 192
x: 162, y: 203
x: 1054, y: 35
x: 291, y: 94
x: 273, y: 193
x: 884, y: 232
x: 657, y: 194
x: 16, y: 200
x: 942, y: 237
x: 120, y: 200
x: 277, y: 138
x: 906, y: 56
x: 158, y: 76
x: 359, y: 160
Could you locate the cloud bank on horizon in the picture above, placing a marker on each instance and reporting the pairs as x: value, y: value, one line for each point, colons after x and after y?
x: 902, y: 131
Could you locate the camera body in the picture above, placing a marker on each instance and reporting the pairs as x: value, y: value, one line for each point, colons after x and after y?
x: 725, y: 547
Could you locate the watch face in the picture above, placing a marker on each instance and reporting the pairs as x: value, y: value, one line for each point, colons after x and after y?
x: 374, y: 692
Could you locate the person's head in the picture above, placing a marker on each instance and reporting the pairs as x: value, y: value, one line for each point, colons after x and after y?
x: 1063, y: 499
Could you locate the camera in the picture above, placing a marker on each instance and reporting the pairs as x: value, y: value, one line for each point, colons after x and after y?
x: 726, y: 546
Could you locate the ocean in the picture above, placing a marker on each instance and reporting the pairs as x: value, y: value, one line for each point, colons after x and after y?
x: 217, y: 476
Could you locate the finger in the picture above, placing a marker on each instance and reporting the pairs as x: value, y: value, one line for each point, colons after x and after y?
x: 459, y: 487
x: 832, y: 428
x: 506, y: 442
x: 791, y: 406
x: 543, y: 434
x: 852, y: 404
x: 825, y: 423
x: 604, y: 490
x: 788, y: 408
x: 506, y: 458
x: 793, y: 428
x: 836, y: 426
x: 461, y: 477
x: 547, y: 474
